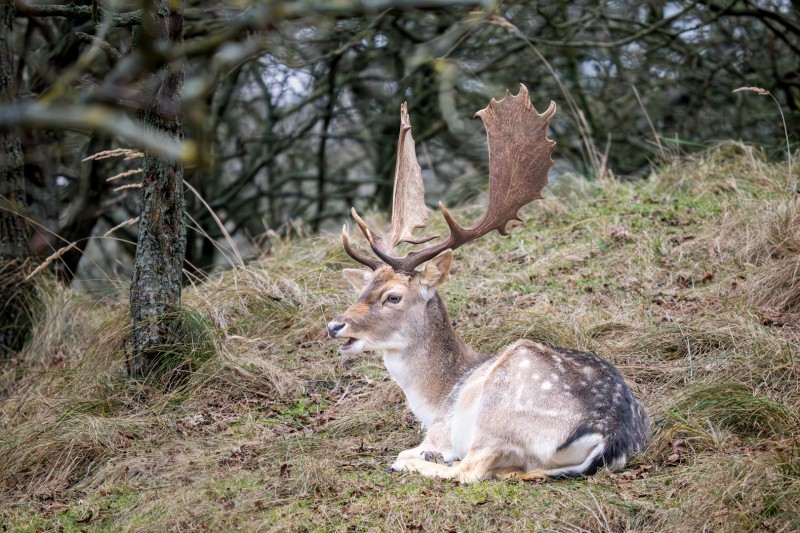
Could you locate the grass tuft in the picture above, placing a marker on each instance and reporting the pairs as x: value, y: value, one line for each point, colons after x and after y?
x: 733, y: 406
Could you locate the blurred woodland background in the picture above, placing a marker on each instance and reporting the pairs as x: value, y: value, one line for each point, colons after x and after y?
x: 278, y: 116
x: 290, y: 109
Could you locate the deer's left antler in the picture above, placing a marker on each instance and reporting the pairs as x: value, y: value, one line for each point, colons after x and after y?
x: 519, y: 159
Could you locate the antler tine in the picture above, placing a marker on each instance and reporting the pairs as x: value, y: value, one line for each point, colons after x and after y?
x: 371, y: 263
x: 376, y: 242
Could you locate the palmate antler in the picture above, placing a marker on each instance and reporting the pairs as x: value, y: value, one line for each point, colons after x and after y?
x: 519, y: 159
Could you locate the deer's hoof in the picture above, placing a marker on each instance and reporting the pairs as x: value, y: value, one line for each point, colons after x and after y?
x: 398, y: 466
x: 433, y: 457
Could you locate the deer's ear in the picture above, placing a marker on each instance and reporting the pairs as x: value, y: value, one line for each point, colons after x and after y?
x: 357, y: 277
x: 436, y: 270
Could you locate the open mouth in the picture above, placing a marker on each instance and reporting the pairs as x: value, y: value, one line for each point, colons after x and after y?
x: 349, y: 343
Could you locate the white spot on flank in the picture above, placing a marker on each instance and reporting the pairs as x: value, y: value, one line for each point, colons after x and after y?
x: 560, y: 368
x: 547, y: 412
x: 519, y: 404
x: 535, y: 376
x: 554, y: 376
x: 547, y: 385
x: 587, y: 371
x: 525, y: 363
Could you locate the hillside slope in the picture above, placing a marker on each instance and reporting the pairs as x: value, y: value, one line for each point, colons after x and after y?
x: 688, y: 282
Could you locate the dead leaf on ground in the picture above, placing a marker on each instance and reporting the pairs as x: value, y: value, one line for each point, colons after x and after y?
x: 641, y: 472
x: 621, y: 233
x: 678, y: 449
x: 770, y: 316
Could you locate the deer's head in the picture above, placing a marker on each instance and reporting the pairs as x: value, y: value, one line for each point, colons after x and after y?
x: 390, y: 311
x: 393, y: 295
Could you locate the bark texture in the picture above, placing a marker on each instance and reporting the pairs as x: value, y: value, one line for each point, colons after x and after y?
x: 13, y: 230
x: 16, y: 295
x: 156, y: 282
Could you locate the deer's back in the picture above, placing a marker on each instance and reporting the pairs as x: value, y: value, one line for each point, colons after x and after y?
x: 539, y: 400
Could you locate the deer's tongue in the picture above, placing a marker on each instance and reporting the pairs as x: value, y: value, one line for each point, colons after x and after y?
x: 349, y: 342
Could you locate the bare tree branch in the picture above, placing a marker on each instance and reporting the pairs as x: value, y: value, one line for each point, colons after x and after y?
x: 95, y: 118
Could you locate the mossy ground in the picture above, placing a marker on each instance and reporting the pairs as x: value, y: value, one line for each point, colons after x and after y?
x: 687, y: 281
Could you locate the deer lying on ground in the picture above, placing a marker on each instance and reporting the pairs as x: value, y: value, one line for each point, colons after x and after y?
x: 532, y: 412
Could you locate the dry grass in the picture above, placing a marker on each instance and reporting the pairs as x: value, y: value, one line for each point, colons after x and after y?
x: 687, y: 282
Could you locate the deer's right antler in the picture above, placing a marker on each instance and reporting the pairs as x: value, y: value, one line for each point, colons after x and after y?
x: 519, y: 159
x: 409, y: 211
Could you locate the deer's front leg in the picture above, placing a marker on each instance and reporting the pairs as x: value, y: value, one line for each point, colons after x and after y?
x: 426, y: 468
x: 436, y: 447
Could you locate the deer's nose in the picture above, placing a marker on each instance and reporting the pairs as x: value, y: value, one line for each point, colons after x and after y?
x: 334, y: 328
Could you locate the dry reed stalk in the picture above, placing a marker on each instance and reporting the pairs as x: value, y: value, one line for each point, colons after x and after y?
x: 127, y: 153
x: 650, y: 123
x: 58, y: 253
x: 128, y: 186
x: 219, y: 223
x: 129, y: 222
x: 125, y: 174
x: 213, y: 241
x: 763, y: 92
x: 584, y: 129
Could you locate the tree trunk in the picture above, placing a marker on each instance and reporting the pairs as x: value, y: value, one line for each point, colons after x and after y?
x: 157, y: 268
x: 13, y: 230
x: 15, y: 293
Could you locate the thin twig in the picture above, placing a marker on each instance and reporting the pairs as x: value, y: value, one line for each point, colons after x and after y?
x: 96, y: 117
x: 113, y: 53
x: 219, y: 223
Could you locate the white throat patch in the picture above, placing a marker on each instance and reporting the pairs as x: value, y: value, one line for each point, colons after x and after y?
x: 399, y: 371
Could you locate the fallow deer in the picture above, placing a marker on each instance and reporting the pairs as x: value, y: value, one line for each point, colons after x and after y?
x: 532, y: 412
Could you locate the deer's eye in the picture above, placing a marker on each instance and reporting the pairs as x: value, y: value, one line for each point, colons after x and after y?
x: 394, y: 299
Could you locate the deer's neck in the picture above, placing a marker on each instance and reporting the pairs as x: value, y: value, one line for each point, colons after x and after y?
x: 432, y: 365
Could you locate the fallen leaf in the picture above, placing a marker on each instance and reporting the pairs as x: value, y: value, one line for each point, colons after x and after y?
x: 679, y: 447
x: 621, y: 233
